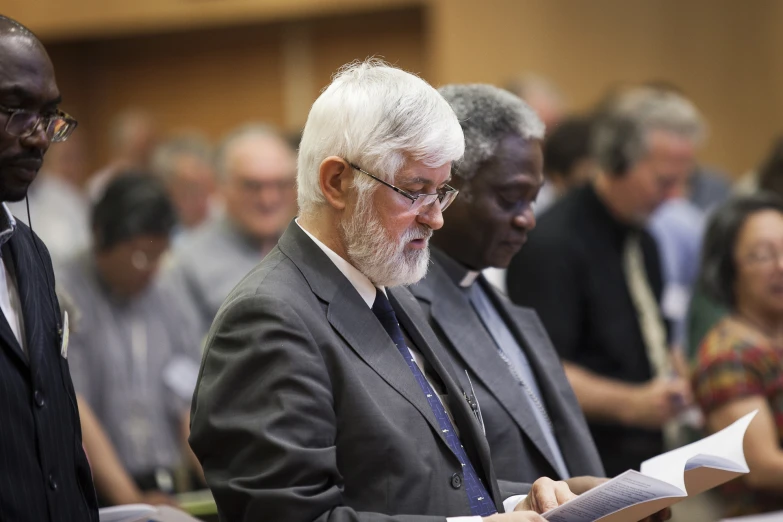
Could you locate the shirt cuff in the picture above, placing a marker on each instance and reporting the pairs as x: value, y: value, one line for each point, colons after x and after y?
x: 508, y: 505
x: 512, y: 502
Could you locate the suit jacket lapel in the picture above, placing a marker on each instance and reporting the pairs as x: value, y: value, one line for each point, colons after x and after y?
x: 350, y: 316
x: 356, y: 323
x: 33, y: 297
x: 470, y: 429
x: 477, y: 348
x: 572, y: 433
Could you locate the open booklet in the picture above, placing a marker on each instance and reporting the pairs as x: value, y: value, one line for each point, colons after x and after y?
x: 664, y: 480
x: 144, y: 513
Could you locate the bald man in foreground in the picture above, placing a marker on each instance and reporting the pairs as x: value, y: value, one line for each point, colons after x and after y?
x: 44, y: 473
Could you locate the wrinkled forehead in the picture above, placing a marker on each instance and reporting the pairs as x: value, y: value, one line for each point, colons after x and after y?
x: 26, y: 73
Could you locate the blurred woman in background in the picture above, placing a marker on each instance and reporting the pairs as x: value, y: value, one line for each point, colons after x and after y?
x: 738, y: 367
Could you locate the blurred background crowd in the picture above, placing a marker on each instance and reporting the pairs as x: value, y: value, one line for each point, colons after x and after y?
x: 181, y: 177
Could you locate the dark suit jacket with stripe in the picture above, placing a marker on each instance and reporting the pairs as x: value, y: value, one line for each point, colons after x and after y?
x: 44, y: 473
x: 305, y: 410
x: 519, y: 450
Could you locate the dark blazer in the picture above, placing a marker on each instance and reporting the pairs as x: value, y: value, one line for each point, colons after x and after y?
x: 305, y: 411
x: 44, y: 474
x: 519, y: 450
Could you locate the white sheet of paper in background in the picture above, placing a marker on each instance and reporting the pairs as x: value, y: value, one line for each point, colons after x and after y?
x: 143, y: 513
x: 126, y: 513
x: 634, y: 495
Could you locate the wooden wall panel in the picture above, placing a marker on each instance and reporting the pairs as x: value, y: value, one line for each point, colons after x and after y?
x: 75, y: 19
x: 724, y: 54
x: 216, y: 79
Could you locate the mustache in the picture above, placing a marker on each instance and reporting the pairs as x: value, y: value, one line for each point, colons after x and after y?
x: 23, y: 158
x: 422, y: 232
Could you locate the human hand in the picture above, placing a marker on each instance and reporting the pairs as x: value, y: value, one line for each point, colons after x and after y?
x: 158, y: 498
x: 660, y: 516
x: 653, y: 404
x: 580, y: 485
x: 545, y: 494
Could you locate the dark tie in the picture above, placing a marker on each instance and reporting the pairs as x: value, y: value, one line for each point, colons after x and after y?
x: 480, y: 502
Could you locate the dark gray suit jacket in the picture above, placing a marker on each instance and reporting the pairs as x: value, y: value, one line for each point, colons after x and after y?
x: 305, y: 410
x: 519, y: 450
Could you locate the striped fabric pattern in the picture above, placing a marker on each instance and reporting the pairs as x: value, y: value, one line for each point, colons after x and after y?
x: 44, y: 473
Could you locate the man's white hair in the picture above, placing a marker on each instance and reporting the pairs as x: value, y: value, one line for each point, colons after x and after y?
x: 238, y: 136
x: 378, y: 117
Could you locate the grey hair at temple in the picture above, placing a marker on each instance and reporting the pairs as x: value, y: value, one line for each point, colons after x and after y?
x: 620, y: 133
x: 487, y: 115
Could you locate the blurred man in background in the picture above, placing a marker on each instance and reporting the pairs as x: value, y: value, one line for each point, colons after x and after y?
x: 58, y: 207
x: 256, y: 172
x: 593, y: 274
x: 45, y: 475
x: 185, y: 165
x: 133, y: 135
x: 135, y: 361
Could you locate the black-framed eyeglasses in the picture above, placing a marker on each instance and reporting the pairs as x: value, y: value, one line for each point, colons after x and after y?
x: 22, y: 124
x: 444, y: 196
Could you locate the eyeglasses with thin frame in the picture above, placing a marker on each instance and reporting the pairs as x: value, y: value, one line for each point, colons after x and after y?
x: 444, y: 196
x: 22, y: 124
x: 764, y: 257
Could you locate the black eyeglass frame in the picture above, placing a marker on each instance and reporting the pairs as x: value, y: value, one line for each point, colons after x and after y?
x: 69, y: 121
x: 447, y: 190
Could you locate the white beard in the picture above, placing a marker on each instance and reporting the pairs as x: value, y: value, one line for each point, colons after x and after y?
x: 384, y: 261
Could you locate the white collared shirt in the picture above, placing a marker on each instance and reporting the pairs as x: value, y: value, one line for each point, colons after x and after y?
x: 367, y: 291
x: 10, y: 303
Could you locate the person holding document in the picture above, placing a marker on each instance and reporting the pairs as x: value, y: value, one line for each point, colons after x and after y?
x: 323, y: 395
x: 738, y: 368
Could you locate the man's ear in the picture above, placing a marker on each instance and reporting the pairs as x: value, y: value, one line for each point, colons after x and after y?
x: 335, y: 177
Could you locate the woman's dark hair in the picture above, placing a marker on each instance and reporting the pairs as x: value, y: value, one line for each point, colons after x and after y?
x: 718, y: 269
x: 134, y: 204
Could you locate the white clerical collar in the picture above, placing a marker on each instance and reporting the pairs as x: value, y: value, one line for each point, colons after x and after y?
x: 359, y: 281
x: 469, y: 279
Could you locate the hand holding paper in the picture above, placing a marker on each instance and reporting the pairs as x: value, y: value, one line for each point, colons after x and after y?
x: 663, y: 480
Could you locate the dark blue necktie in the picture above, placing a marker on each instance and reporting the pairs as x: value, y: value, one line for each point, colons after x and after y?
x: 480, y: 502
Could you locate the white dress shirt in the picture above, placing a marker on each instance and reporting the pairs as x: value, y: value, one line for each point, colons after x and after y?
x: 367, y: 291
x: 10, y: 304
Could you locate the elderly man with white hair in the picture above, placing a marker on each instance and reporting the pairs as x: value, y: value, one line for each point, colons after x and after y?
x: 323, y: 395
x: 593, y: 274
x: 256, y: 178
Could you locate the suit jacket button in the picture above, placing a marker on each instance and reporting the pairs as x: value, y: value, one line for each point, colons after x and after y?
x: 39, y: 399
x: 52, y: 482
x: 456, y: 481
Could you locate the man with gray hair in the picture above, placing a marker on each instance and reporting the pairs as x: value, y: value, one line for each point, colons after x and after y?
x: 593, y: 274
x: 533, y: 422
x: 185, y: 165
x: 256, y: 178
x: 323, y: 395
